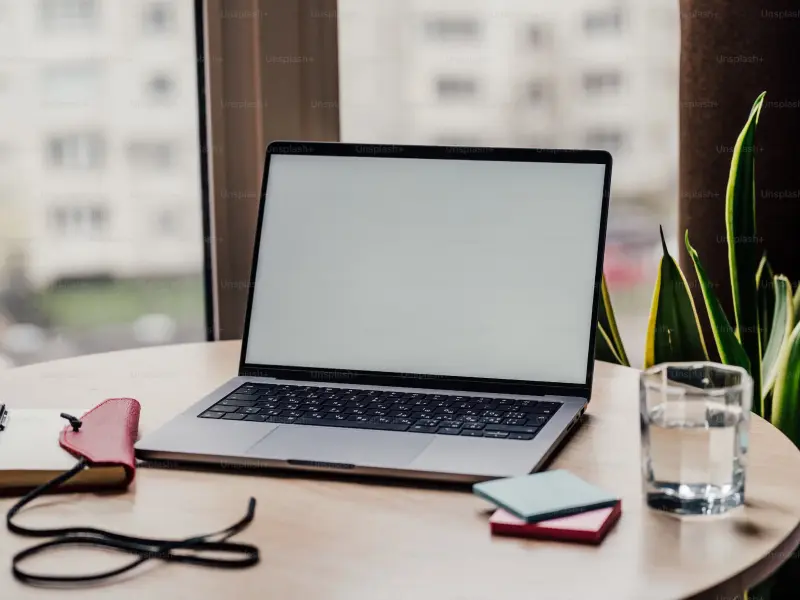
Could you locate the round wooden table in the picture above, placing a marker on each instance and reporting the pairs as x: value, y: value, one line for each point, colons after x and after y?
x: 345, y: 540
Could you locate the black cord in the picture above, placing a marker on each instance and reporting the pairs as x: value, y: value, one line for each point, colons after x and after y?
x: 192, y: 549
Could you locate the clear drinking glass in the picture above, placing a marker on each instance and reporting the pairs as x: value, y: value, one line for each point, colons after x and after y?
x: 695, y: 419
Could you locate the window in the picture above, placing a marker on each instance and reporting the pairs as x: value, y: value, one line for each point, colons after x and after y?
x: 158, y: 17
x: 535, y: 93
x: 605, y: 139
x: 78, y: 220
x: 76, y: 151
x: 66, y: 15
x: 602, y: 83
x: 452, y: 29
x: 80, y: 80
x: 603, y: 22
x: 152, y: 155
x: 451, y: 87
x: 160, y: 87
x: 77, y: 83
x: 167, y: 223
x: 535, y: 36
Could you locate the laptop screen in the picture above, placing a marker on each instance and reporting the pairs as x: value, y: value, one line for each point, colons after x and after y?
x: 462, y: 268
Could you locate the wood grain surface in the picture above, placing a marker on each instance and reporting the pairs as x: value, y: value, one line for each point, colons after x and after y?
x: 364, y: 540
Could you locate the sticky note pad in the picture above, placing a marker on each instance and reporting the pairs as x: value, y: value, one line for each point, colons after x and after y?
x: 588, y: 527
x: 543, y: 496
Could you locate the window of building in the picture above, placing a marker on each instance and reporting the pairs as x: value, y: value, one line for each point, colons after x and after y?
x: 76, y: 151
x: 535, y: 92
x: 612, y: 140
x: 167, y: 222
x: 451, y: 87
x: 160, y: 87
x: 603, y: 22
x: 535, y: 35
x: 158, y: 17
x: 152, y: 155
x: 602, y: 83
x: 452, y: 28
x: 78, y: 219
x: 77, y: 83
x: 65, y: 15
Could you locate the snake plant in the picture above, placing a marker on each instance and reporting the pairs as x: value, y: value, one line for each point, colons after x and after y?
x: 764, y: 336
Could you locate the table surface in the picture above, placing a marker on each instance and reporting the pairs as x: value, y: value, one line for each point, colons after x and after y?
x: 350, y: 540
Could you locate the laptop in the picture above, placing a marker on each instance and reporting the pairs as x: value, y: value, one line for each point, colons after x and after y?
x: 414, y: 311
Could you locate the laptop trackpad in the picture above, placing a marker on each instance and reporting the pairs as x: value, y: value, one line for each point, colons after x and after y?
x: 361, y: 447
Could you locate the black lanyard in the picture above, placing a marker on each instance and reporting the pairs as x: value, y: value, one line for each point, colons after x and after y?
x: 189, y: 550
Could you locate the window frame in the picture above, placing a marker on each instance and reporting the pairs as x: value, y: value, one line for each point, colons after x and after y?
x: 242, y: 109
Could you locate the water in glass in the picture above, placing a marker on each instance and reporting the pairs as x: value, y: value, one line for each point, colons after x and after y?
x: 695, y: 420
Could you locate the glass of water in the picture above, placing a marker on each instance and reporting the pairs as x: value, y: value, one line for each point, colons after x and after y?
x: 695, y: 419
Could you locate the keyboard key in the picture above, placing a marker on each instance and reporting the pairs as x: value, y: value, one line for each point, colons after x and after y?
x: 449, y: 430
x: 516, y: 415
x: 408, y: 422
x: 210, y: 414
x: 234, y: 416
x: 229, y: 402
x: 492, y: 420
x: 402, y: 414
x: 427, y: 422
x: 354, y: 411
x: 336, y: 417
x: 282, y: 419
x: 511, y: 428
x: 423, y: 429
x: 537, y: 421
x: 270, y: 412
x: 314, y: 415
x: 452, y: 424
x: 249, y: 397
x: 472, y: 432
x: 491, y: 413
x: 257, y: 418
x: 520, y: 436
x: 495, y: 434
x: 514, y: 422
x: 374, y: 412
x: 224, y: 409
x: 248, y: 411
x: 473, y: 426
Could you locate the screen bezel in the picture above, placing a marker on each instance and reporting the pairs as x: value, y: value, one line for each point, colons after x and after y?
x: 417, y: 380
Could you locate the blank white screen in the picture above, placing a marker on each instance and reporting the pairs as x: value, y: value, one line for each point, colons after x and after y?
x: 440, y: 267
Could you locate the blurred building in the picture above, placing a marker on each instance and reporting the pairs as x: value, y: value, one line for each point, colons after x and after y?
x: 98, y: 144
x: 533, y: 73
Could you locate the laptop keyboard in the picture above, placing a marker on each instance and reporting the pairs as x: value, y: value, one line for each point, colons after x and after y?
x: 442, y: 414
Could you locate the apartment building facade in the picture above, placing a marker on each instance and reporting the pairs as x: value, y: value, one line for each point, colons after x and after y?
x: 532, y: 73
x: 99, y: 148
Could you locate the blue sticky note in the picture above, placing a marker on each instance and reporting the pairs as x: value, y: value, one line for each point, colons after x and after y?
x: 546, y: 495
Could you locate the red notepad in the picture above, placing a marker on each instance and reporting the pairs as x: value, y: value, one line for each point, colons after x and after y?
x: 588, y: 527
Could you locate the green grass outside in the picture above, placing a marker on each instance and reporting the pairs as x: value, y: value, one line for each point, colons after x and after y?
x: 92, y: 304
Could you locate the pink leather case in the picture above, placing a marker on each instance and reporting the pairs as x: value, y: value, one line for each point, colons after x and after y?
x: 107, y: 435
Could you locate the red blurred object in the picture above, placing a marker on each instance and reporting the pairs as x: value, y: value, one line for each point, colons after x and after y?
x: 621, y: 268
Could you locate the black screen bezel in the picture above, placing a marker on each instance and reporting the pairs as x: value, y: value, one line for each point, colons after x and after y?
x: 416, y: 380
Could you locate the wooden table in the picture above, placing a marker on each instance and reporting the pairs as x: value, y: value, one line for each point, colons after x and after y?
x: 337, y: 540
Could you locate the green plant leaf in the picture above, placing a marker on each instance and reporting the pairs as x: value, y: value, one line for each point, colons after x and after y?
x: 782, y: 325
x: 766, y: 299
x: 796, y: 301
x: 740, y: 218
x: 786, y: 395
x: 608, y: 323
x: 728, y: 346
x: 604, y: 347
x: 673, y: 331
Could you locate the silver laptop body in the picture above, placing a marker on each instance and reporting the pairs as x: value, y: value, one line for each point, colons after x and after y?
x: 414, y: 311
